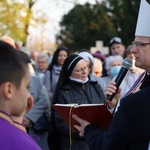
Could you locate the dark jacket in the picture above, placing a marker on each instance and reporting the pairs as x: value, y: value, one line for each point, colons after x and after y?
x: 130, y: 129
x: 74, y: 92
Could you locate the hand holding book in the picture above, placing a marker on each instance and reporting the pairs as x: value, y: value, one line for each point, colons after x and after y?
x: 96, y: 114
x: 81, y: 126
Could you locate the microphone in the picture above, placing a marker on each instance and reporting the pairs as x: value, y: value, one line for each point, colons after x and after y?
x: 126, y: 65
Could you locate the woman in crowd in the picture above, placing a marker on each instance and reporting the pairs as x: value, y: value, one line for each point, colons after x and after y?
x: 53, y: 72
x: 90, y: 63
x: 74, y: 86
x: 113, y: 65
x: 42, y: 64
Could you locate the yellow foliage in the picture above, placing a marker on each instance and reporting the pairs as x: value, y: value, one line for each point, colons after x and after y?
x: 16, y: 17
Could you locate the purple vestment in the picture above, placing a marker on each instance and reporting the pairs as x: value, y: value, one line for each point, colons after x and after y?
x: 136, y: 84
x: 12, y: 138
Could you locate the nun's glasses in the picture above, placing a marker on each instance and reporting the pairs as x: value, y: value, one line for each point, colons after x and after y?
x: 81, y: 70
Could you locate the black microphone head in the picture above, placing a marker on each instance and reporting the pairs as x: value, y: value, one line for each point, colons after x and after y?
x: 127, y: 63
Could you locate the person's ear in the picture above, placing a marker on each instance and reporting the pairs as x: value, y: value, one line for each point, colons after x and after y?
x: 8, y: 89
x: 30, y: 103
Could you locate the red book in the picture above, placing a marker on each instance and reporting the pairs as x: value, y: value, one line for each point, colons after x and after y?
x: 96, y: 114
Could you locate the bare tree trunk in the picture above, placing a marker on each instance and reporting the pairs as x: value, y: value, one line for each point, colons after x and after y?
x: 28, y: 18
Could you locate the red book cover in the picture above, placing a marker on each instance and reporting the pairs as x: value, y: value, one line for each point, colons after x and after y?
x: 96, y: 114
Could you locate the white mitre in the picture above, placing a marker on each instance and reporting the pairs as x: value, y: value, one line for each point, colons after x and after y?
x: 143, y: 22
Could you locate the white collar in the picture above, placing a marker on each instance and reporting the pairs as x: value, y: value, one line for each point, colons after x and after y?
x: 78, y: 80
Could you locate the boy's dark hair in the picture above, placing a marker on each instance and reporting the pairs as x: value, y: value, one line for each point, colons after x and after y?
x: 13, y: 64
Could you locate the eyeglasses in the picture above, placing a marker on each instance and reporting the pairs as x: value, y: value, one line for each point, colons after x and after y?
x: 81, y: 70
x: 139, y: 44
x: 41, y: 62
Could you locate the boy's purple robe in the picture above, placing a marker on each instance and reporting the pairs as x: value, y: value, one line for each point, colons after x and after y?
x: 12, y: 138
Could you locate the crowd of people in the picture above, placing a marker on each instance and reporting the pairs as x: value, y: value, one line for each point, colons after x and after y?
x: 30, y: 85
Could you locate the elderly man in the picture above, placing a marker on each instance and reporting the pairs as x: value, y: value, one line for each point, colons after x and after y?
x: 130, y: 128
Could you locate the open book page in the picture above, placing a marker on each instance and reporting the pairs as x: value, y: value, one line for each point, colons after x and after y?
x: 77, y: 105
x: 67, y: 105
x: 97, y: 114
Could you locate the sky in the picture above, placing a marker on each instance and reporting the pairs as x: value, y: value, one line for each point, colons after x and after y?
x: 54, y: 10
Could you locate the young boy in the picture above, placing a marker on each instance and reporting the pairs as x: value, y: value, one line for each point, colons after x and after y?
x: 14, y: 97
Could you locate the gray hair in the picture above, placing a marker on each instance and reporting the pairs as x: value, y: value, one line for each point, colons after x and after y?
x: 110, y: 59
x: 41, y: 55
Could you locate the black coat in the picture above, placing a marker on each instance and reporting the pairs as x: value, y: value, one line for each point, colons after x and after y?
x: 74, y: 92
x: 130, y: 129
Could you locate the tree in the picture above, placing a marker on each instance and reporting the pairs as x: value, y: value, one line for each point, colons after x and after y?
x: 83, y: 25
x: 16, y: 17
x: 10, y: 19
x: 123, y: 14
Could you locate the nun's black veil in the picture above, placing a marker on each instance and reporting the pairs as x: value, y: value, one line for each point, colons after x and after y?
x: 66, y: 71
